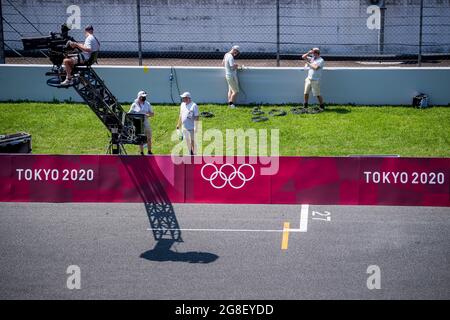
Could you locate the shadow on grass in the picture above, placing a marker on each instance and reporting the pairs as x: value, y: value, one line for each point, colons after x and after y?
x: 337, y: 110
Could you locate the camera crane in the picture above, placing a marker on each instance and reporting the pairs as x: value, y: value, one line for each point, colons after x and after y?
x: 124, y: 128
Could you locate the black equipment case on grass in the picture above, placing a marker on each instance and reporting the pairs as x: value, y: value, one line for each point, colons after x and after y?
x: 15, y: 143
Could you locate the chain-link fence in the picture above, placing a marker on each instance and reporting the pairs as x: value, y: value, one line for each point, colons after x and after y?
x: 270, y: 32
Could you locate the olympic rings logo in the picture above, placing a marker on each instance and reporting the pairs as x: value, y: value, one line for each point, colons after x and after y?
x: 219, y: 179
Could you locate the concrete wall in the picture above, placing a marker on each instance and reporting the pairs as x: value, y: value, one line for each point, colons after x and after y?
x: 370, y: 86
x: 337, y: 26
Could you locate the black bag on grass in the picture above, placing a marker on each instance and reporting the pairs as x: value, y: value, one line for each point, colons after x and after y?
x: 420, y: 101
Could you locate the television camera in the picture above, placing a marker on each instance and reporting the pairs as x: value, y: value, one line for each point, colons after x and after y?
x: 124, y: 128
x: 57, y: 45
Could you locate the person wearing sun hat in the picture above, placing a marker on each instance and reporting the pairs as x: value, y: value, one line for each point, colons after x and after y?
x: 314, y: 65
x: 189, y: 115
x: 141, y: 106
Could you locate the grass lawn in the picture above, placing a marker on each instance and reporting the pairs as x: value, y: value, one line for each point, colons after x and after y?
x: 59, y: 128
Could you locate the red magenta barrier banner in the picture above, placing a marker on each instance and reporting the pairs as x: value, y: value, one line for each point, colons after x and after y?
x: 227, y: 182
x: 362, y: 181
x: 283, y: 180
x: 316, y: 181
x: 46, y: 178
x: 404, y: 181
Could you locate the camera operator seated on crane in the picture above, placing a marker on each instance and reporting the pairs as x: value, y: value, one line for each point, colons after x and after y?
x: 141, y: 106
x: 90, y: 47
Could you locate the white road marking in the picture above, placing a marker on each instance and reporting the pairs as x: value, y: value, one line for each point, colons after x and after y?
x: 303, y: 225
x: 321, y: 216
x: 218, y: 230
x: 303, y: 219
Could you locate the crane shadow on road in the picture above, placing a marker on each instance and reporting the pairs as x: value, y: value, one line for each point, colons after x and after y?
x: 151, y: 185
x: 162, y: 252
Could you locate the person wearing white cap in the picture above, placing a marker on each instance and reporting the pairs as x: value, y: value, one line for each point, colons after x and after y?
x: 189, y: 115
x: 314, y: 66
x: 231, y: 74
x: 141, y: 106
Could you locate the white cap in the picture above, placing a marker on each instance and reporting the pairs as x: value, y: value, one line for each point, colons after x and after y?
x: 141, y: 94
x: 186, y: 95
x: 236, y: 48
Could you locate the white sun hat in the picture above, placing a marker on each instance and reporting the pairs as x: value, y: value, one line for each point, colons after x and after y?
x: 142, y: 94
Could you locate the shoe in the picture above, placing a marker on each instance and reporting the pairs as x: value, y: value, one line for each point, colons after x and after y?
x: 232, y: 106
x: 67, y: 82
x: 142, y: 153
x: 150, y: 153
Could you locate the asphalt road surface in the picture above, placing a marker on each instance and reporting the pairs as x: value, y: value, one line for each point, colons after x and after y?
x: 187, y: 251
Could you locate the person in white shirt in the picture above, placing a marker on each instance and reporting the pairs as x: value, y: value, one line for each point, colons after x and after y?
x: 231, y: 74
x: 91, y: 44
x: 141, y: 106
x: 188, y: 118
x: 314, y: 66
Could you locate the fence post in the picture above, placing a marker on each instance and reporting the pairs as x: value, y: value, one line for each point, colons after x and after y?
x: 419, y: 56
x: 278, y: 33
x: 381, y: 33
x: 2, y: 40
x: 138, y: 10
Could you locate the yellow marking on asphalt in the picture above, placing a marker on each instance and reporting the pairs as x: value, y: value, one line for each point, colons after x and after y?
x: 146, y: 69
x: 285, y: 240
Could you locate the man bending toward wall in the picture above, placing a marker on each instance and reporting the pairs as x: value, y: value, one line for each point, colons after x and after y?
x: 231, y: 74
